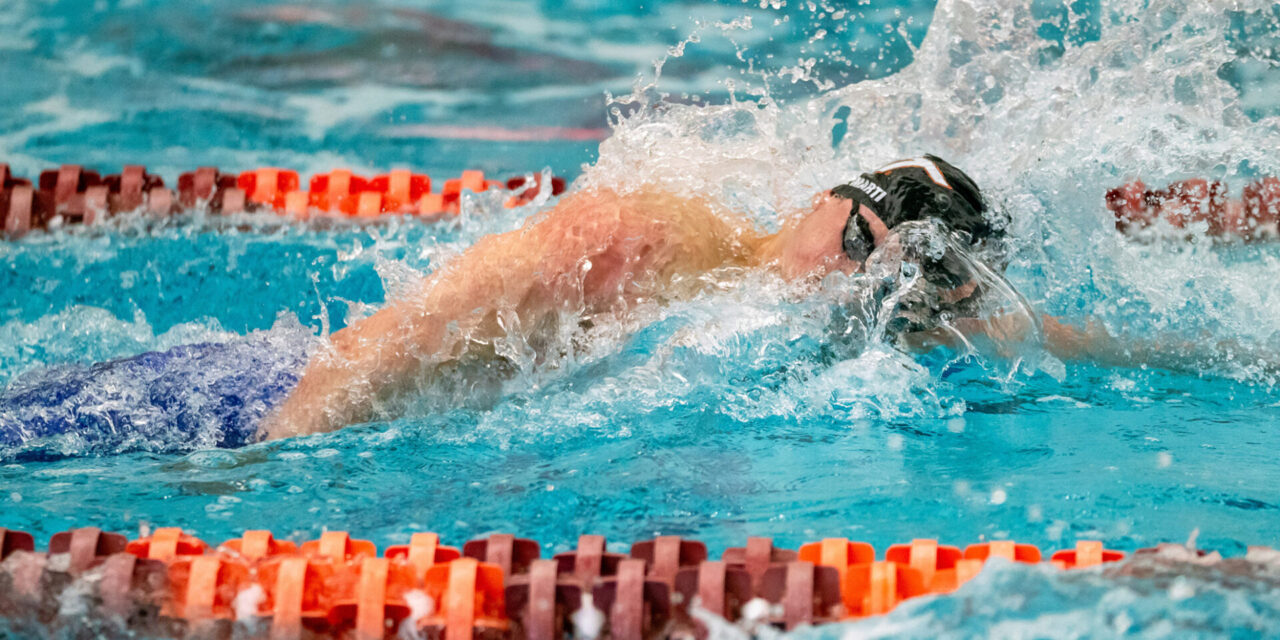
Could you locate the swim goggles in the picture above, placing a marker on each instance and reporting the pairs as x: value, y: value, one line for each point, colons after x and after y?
x: 858, y: 241
x: 942, y: 269
x: 929, y: 244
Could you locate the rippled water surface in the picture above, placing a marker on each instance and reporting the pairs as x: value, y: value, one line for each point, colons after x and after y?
x: 728, y: 415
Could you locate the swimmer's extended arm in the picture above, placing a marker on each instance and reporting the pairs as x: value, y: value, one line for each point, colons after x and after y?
x: 1094, y: 343
x: 580, y: 256
x: 1065, y: 341
x: 476, y: 297
x: 1068, y: 342
x: 380, y: 355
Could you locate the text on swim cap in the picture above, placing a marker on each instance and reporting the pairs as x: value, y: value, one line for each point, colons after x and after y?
x: 868, y: 187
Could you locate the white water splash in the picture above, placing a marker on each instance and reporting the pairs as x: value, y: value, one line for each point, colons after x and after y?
x: 1046, y: 127
x: 421, y: 606
x: 84, y: 334
x: 588, y: 621
x: 246, y: 605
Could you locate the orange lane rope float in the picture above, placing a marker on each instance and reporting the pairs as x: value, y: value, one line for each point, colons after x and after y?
x: 74, y: 195
x: 171, y: 583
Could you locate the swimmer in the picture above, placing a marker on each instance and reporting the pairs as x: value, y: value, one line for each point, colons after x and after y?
x: 600, y: 251
x: 595, y: 252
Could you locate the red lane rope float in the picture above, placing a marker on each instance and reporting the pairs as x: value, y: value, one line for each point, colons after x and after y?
x: 74, y: 195
x: 171, y: 583
x: 1256, y: 216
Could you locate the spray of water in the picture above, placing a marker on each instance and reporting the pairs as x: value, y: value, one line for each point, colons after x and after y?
x: 1045, y: 123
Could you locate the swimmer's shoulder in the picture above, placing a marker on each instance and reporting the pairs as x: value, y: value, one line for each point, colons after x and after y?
x: 699, y: 225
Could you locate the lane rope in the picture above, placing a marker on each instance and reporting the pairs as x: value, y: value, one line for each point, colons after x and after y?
x: 171, y: 583
x: 72, y: 194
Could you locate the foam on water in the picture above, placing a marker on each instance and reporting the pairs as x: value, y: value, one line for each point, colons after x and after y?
x: 90, y: 334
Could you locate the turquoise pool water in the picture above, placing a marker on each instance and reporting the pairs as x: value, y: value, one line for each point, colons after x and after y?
x: 729, y: 415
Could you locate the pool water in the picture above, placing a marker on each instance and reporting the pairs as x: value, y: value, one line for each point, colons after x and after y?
x: 729, y: 415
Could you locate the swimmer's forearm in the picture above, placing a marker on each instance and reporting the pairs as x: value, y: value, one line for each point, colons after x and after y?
x: 587, y: 253
x: 363, y: 364
x: 1062, y: 340
x: 389, y: 352
x: 1095, y: 344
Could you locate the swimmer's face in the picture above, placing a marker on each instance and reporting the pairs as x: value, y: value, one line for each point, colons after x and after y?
x: 813, y: 244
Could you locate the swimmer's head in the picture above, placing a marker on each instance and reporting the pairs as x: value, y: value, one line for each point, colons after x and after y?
x: 925, y: 188
x: 921, y: 230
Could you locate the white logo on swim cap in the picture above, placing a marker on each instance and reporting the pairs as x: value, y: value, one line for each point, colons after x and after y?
x: 929, y: 167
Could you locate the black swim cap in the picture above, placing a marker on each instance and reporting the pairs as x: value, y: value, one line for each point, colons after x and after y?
x: 915, y: 189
